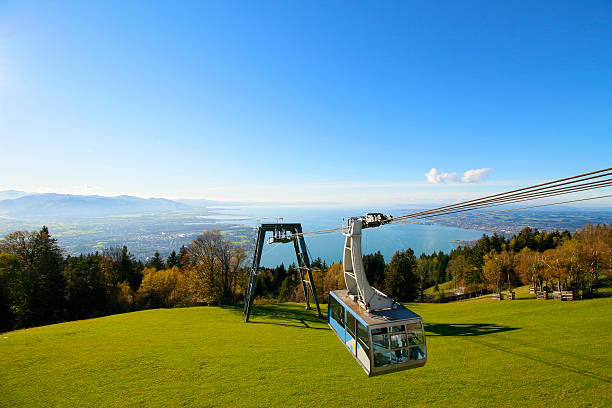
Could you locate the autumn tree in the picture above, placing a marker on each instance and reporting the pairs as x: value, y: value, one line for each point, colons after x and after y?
x: 163, y: 288
x: 597, y: 246
x: 458, y: 268
x: 216, y: 264
x: 497, y: 268
x: 529, y: 265
x: 333, y: 279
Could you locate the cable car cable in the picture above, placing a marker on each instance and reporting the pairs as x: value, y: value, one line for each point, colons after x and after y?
x: 524, y: 189
x: 513, y: 209
x: 537, y: 191
x: 527, y: 198
x: 507, y: 196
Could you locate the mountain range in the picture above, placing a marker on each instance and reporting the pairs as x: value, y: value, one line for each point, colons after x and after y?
x: 15, y: 203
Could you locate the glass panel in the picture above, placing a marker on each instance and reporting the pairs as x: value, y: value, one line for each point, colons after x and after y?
x: 350, y: 323
x: 362, y: 333
x: 398, y: 340
x: 338, y: 311
x: 332, y: 306
x: 382, y: 359
x: 416, y: 352
x: 381, y: 342
x: 413, y: 326
x: 380, y: 330
x: 415, y: 337
x: 399, y: 356
x: 396, y: 329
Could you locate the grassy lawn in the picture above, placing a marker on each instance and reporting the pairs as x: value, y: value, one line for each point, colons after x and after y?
x: 446, y: 286
x: 521, y: 353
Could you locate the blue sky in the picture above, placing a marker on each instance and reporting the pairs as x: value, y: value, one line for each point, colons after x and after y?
x: 302, y: 101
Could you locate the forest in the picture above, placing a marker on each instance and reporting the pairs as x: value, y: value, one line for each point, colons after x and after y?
x: 39, y: 285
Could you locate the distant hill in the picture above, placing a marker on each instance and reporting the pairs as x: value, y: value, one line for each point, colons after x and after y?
x: 10, y: 194
x: 62, y: 205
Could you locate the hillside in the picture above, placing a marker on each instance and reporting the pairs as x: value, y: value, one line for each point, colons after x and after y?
x: 522, y: 353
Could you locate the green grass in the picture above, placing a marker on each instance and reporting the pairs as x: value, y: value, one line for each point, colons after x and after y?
x: 481, y: 353
x: 443, y: 287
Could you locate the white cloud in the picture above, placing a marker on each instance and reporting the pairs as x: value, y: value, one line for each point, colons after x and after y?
x: 471, y: 176
x: 436, y: 176
x: 476, y: 175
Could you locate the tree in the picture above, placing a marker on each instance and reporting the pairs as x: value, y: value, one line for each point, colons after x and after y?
x: 400, y: 281
x: 86, y: 286
x: 21, y: 244
x: 289, y: 285
x: 183, y: 257
x: 216, y: 264
x: 172, y: 260
x: 120, y: 266
x: 163, y: 288
x: 595, y: 248
x: 333, y: 279
x: 13, y: 297
x: 529, y: 265
x: 156, y: 262
x: 496, y: 269
x: 374, y: 268
x: 571, y: 253
x: 128, y: 270
x: 493, y: 271
x: 425, y: 269
x: 458, y: 268
x: 441, y: 267
x: 49, y: 299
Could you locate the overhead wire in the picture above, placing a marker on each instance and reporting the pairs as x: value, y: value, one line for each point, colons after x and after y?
x: 514, y: 209
x: 550, y: 186
x: 562, y: 186
x: 515, y: 200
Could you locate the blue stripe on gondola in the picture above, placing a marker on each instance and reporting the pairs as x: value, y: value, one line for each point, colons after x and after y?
x: 338, y: 329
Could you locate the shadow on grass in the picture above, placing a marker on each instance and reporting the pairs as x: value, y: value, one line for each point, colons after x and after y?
x: 539, y: 358
x: 288, y: 315
x: 465, y: 329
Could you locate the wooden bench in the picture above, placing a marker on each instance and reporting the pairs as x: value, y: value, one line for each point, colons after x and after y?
x: 563, y: 295
x: 497, y: 296
x: 542, y: 295
x: 511, y: 296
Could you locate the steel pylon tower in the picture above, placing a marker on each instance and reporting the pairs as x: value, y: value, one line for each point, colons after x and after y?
x: 282, y: 233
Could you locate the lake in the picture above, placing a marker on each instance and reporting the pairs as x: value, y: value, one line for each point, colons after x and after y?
x: 387, y: 239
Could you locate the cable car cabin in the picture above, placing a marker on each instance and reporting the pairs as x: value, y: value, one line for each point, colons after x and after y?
x: 382, y: 341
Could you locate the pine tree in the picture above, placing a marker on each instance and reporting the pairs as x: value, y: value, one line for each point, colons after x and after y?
x: 157, y: 262
x: 172, y: 260
x: 183, y: 257
x: 50, y: 304
x: 400, y: 278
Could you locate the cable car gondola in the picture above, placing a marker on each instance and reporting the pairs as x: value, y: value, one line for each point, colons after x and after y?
x: 382, y: 335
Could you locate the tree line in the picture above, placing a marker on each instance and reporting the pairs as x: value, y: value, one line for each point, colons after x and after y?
x: 555, y: 260
x: 39, y: 285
